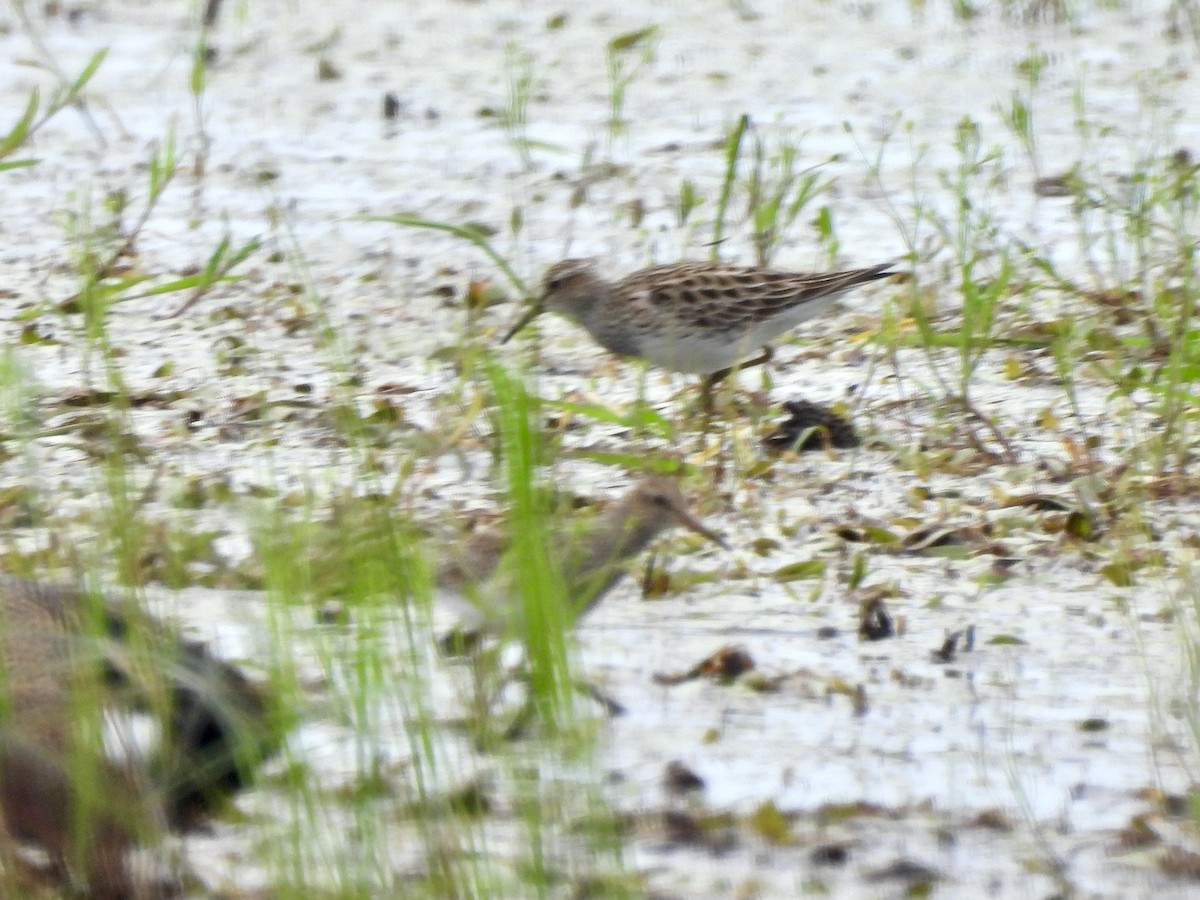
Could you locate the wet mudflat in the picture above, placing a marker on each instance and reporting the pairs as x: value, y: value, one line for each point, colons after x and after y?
x: 1047, y: 521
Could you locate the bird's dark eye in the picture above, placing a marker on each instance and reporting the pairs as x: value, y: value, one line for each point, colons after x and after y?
x: 554, y: 284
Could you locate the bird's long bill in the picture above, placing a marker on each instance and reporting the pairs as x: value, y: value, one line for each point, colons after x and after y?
x: 691, y: 523
x: 534, y: 311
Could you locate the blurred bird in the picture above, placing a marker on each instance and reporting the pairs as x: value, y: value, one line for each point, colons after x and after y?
x: 591, y: 562
x: 66, y: 657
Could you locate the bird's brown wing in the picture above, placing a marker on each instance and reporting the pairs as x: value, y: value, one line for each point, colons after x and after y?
x: 708, y: 296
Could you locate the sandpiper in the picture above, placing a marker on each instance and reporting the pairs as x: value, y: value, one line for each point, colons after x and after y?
x: 591, y: 562
x: 700, y: 318
x: 63, y: 656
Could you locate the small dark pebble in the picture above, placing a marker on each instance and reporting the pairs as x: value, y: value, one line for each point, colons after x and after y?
x: 1177, y: 805
x: 460, y: 642
x: 728, y: 663
x: 327, y: 71
x: 1056, y: 186
x: 948, y: 652
x: 993, y: 820
x: 679, y: 779
x: 333, y: 612
x: 391, y: 107
x: 682, y: 827
x: 905, y: 870
x: 725, y: 665
x: 875, y: 623
x: 473, y: 799
x: 811, y: 427
x: 829, y: 855
x: 212, y: 12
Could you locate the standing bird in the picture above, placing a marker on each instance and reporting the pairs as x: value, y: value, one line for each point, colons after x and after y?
x: 700, y: 318
x: 66, y: 657
x: 591, y: 562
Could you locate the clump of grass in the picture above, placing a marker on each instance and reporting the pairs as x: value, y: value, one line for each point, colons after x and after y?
x: 1137, y: 240
x: 472, y: 235
x: 777, y: 189
x: 974, y: 239
x: 1019, y: 114
x: 454, y: 847
x: 197, y: 83
x: 102, y: 250
x: 980, y: 263
x: 68, y: 91
x: 514, y: 117
x: 35, y: 115
x: 544, y: 620
x: 626, y: 56
x: 733, y: 152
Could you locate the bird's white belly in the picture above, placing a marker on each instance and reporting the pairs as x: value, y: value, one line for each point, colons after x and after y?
x: 702, y: 353
x: 695, y: 354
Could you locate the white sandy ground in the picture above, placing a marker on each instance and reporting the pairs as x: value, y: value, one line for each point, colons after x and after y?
x: 294, y: 159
